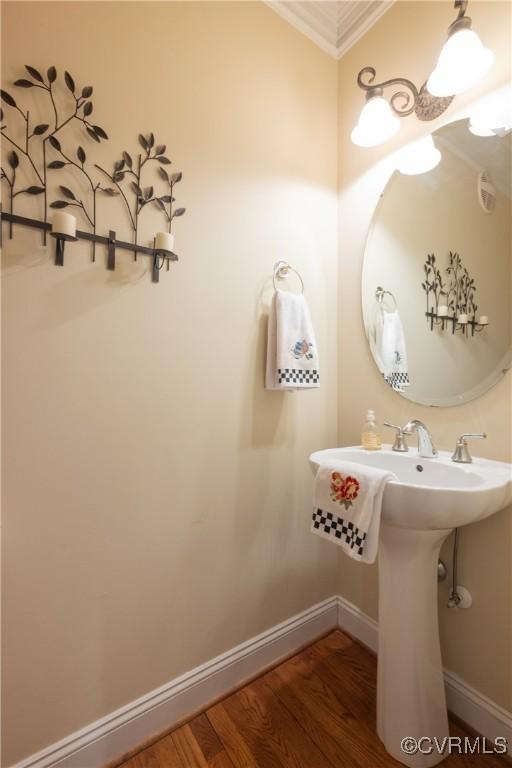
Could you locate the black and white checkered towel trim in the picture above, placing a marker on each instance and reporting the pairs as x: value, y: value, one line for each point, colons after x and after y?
x: 297, y: 376
x: 398, y: 380
x: 336, y: 527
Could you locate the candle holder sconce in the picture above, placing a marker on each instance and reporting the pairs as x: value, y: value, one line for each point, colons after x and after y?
x: 60, y: 242
x: 39, y: 140
x: 451, y: 302
x: 162, y: 245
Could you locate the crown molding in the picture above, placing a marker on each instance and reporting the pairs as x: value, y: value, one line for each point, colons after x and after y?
x: 334, y: 26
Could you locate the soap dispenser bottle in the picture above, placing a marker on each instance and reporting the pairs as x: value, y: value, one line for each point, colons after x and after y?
x: 370, y: 438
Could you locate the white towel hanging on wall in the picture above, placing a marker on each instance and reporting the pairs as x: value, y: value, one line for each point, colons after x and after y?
x: 292, y: 356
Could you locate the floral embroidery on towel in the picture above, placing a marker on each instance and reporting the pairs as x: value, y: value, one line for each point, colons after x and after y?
x: 301, y: 349
x: 344, y: 490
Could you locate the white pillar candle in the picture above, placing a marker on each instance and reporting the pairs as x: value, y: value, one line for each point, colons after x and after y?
x: 463, y: 319
x: 442, y: 311
x: 64, y: 224
x: 483, y: 320
x: 164, y: 241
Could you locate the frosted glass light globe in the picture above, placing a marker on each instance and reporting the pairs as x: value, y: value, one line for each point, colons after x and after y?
x: 376, y: 123
x: 463, y: 61
x: 419, y: 157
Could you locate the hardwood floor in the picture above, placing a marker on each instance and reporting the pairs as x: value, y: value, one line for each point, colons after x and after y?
x: 316, y: 710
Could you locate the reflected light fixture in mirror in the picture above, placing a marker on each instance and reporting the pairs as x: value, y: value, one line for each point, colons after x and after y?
x: 419, y: 157
x: 493, y: 117
x: 463, y: 62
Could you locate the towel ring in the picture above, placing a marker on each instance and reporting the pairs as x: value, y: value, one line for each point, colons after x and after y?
x: 281, y: 269
x: 380, y: 293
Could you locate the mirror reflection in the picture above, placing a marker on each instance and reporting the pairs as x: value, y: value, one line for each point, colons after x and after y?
x: 436, y: 284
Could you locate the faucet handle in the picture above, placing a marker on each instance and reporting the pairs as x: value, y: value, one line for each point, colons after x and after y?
x: 400, y: 446
x: 473, y: 436
x: 461, y: 454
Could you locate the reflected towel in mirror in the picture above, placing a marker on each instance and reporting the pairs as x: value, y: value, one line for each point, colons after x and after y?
x: 388, y: 346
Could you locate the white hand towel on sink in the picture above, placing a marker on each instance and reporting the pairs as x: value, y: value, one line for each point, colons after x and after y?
x: 292, y: 357
x: 347, y: 506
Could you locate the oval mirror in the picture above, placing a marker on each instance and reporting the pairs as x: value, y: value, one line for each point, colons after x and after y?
x: 436, y: 284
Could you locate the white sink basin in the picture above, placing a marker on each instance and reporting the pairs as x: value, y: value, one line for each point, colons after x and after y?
x: 429, y: 498
x: 432, y: 493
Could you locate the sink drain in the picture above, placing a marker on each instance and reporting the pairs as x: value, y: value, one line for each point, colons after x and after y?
x: 419, y: 467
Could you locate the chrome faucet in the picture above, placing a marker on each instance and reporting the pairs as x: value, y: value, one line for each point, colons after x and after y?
x: 426, y: 447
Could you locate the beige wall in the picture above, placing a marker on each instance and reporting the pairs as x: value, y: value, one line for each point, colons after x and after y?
x: 156, y: 497
x: 476, y: 643
x: 153, y: 493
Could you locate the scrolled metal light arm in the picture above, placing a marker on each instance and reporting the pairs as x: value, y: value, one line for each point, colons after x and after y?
x: 377, y: 89
x: 420, y: 101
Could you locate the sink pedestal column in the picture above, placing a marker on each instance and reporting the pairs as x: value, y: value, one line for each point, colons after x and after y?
x: 410, y: 687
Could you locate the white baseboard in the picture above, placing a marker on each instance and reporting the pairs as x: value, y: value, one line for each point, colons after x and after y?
x: 358, y: 624
x: 475, y: 709
x: 118, y: 733
x: 122, y: 730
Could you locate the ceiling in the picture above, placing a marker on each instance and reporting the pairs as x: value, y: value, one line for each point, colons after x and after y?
x: 334, y: 25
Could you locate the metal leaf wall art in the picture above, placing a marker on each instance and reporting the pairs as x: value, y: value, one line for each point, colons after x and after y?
x: 46, y: 147
x: 34, y: 148
x: 127, y: 176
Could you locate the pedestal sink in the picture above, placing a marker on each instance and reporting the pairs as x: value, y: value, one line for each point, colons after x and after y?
x: 429, y: 499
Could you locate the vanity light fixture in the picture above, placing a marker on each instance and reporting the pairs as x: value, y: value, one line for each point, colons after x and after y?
x: 463, y: 62
x: 377, y: 123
